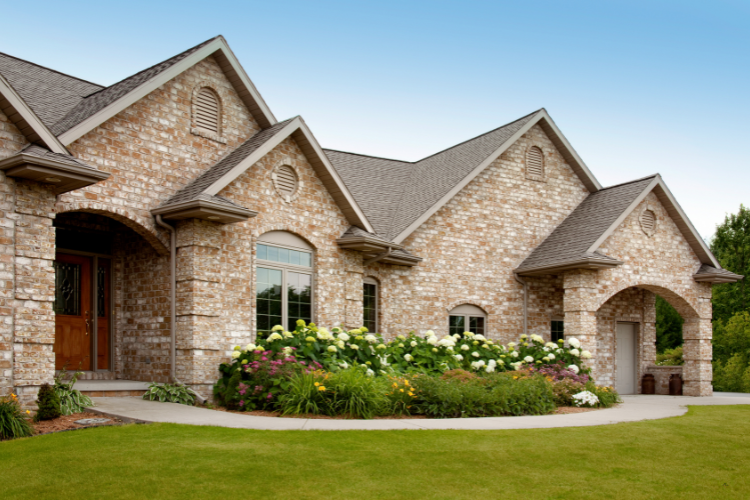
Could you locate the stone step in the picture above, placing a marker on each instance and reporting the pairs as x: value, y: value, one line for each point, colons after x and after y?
x: 111, y: 388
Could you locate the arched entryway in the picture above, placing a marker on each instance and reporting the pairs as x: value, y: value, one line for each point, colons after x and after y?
x: 111, y: 299
x: 626, y: 340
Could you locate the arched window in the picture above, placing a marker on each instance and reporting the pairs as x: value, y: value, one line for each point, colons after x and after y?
x: 467, y: 318
x: 207, y: 115
x: 534, y: 163
x: 284, y: 284
x: 370, y: 304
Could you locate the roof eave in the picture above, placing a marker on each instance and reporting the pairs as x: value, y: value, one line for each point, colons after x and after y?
x: 717, y: 277
x: 62, y: 176
x: 593, y: 264
x: 205, y: 210
x: 365, y: 244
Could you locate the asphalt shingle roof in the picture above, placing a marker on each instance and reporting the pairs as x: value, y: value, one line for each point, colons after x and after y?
x: 393, y: 194
x: 96, y: 102
x: 574, y: 236
x: 49, y: 93
x: 195, y: 189
x: 44, y: 153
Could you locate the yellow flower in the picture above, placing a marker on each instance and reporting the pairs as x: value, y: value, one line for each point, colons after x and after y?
x: 322, y: 388
x: 317, y: 384
x: 406, y: 382
x: 395, y: 384
x: 411, y: 394
x: 28, y: 412
x: 401, y: 390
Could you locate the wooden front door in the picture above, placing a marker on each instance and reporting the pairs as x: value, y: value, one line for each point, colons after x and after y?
x: 73, y: 312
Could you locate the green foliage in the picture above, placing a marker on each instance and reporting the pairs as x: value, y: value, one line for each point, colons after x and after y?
x: 732, y: 376
x: 564, y: 390
x: 731, y: 343
x: 14, y: 422
x: 731, y: 246
x: 349, y: 392
x: 489, y: 396
x: 670, y: 357
x: 48, y: 404
x: 170, y: 393
x: 668, y: 326
x: 608, y: 397
x: 71, y: 400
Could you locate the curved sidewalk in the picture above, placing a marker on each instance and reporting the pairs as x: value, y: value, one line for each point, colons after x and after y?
x: 633, y: 409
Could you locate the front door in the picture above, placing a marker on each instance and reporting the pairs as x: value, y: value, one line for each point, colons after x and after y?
x: 626, y: 359
x: 73, y: 315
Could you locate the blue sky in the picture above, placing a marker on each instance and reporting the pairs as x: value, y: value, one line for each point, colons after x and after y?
x: 637, y: 87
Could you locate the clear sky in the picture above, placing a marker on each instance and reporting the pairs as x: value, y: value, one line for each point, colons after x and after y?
x: 636, y: 86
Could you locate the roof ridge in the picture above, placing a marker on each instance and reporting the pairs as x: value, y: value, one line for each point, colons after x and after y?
x: 369, y: 156
x: 480, y: 135
x: 50, y: 69
x: 152, y: 66
x: 628, y: 182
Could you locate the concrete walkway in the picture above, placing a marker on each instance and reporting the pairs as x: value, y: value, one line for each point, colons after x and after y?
x: 633, y: 409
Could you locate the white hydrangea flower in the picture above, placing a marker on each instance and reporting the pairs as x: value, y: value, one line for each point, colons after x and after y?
x: 370, y: 373
x: 332, y: 348
x: 236, y: 354
x: 429, y: 333
x: 413, y: 343
x: 475, y: 354
x: 371, y: 338
x: 341, y: 344
x: 537, y: 338
x: 490, y: 368
x: 481, y: 337
x: 585, y: 354
x: 344, y: 365
x: 274, y: 336
x: 250, y: 347
x: 477, y: 364
x: 288, y: 334
x: 277, y: 328
x: 287, y: 351
x: 408, y: 357
x: 459, y: 357
x: 551, y: 356
x: 514, y: 354
x: 468, y: 334
x: 575, y: 352
x: 465, y: 347
x: 449, y: 342
x: 512, y: 344
x: 500, y: 362
x: 343, y: 336
x: 545, y: 359
x: 354, y: 346
x: 550, y: 345
x: 574, y: 342
x: 574, y: 369
x: 432, y: 340
x: 528, y: 359
x: 586, y: 398
x: 457, y: 336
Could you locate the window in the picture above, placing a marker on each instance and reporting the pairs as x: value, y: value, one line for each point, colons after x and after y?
x: 467, y: 318
x: 207, y: 111
x: 534, y: 163
x: 284, y: 281
x: 370, y: 305
x: 557, y: 330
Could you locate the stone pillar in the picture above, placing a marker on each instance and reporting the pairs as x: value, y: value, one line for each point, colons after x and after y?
x: 7, y: 283
x: 34, y: 290
x: 199, y: 304
x: 697, y: 352
x: 354, y: 290
x: 579, y: 304
x: 647, y: 344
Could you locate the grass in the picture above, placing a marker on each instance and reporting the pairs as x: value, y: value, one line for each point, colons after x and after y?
x: 704, y: 454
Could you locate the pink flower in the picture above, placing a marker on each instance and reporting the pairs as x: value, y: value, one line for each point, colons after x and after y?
x: 270, y: 395
x: 242, y: 403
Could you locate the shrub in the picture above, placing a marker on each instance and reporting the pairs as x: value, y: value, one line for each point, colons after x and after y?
x: 401, y: 394
x: 734, y: 375
x: 564, y: 390
x: 349, y: 392
x: 71, y: 400
x: 561, y: 371
x: 459, y: 375
x: 13, y: 421
x: 492, y: 395
x: 608, y: 396
x: 670, y: 357
x: 170, y: 393
x: 48, y: 404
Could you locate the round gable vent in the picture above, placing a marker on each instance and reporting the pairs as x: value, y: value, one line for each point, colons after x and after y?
x: 286, y: 182
x: 648, y: 222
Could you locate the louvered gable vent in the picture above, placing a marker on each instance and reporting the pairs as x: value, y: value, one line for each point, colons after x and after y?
x: 535, y: 162
x: 207, y: 110
x: 648, y: 222
x: 285, y: 180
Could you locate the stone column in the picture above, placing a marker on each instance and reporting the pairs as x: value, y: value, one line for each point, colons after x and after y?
x: 647, y: 345
x: 579, y: 304
x: 697, y: 351
x: 199, y: 304
x: 34, y: 290
x: 354, y: 290
x: 7, y: 283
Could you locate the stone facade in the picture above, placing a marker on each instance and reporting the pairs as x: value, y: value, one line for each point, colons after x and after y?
x: 470, y: 248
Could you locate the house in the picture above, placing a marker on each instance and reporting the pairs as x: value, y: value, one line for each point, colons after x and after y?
x: 150, y: 226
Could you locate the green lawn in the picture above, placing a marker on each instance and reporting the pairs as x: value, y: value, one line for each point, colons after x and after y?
x: 705, y: 454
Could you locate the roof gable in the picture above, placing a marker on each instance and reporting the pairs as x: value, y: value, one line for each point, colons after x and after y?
x: 216, y: 178
x: 400, y: 196
x: 100, y: 106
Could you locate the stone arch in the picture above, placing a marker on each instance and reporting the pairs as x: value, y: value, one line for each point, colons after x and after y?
x: 684, y: 305
x: 314, y: 241
x: 144, y: 227
x: 486, y: 306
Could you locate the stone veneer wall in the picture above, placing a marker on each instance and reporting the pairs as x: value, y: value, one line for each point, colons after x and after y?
x: 472, y: 244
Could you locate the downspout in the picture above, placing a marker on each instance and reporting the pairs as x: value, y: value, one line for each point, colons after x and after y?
x: 525, y: 302
x: 379, y: 257
x: 173, y: 304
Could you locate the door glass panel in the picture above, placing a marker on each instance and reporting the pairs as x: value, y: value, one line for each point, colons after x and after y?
x: 456, y: 325
x: 299, y: 298
x: 67, y: 289
x: 268, y: 290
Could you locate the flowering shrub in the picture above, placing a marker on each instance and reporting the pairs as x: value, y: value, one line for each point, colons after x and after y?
x: 337, y: 349
x: 14, y: 422
x: 564, y: 390
x: 559, y: 371
x: 400, y: 396
x: 585, y: 398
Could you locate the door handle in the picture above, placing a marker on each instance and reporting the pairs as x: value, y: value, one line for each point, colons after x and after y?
x: 87, y: 322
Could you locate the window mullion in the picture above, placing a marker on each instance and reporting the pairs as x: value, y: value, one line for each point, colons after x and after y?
x: 284, y: 300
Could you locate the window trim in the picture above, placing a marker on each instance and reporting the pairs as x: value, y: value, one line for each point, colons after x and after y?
x: 284, y: 267
x: 372, y: 281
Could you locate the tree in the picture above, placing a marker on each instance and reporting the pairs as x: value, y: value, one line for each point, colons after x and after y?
x: 731, y: 246
x: 668, y: 326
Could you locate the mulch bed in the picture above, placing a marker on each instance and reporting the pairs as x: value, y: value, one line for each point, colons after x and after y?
x: 563, y: 410
x: 67, y: 422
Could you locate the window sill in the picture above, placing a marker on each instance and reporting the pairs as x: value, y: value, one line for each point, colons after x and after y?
x: 208, y: 135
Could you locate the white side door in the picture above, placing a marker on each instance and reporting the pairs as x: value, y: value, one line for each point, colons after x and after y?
x: 626, y: 359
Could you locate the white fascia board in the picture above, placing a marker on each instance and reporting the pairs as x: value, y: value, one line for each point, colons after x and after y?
x: 259, y: 153
x: 30, y: 117
x: 335, y: 175
x: 147, y: 87
x: 570, y: 149
x: 623, y: 215
x: 458, y: 187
